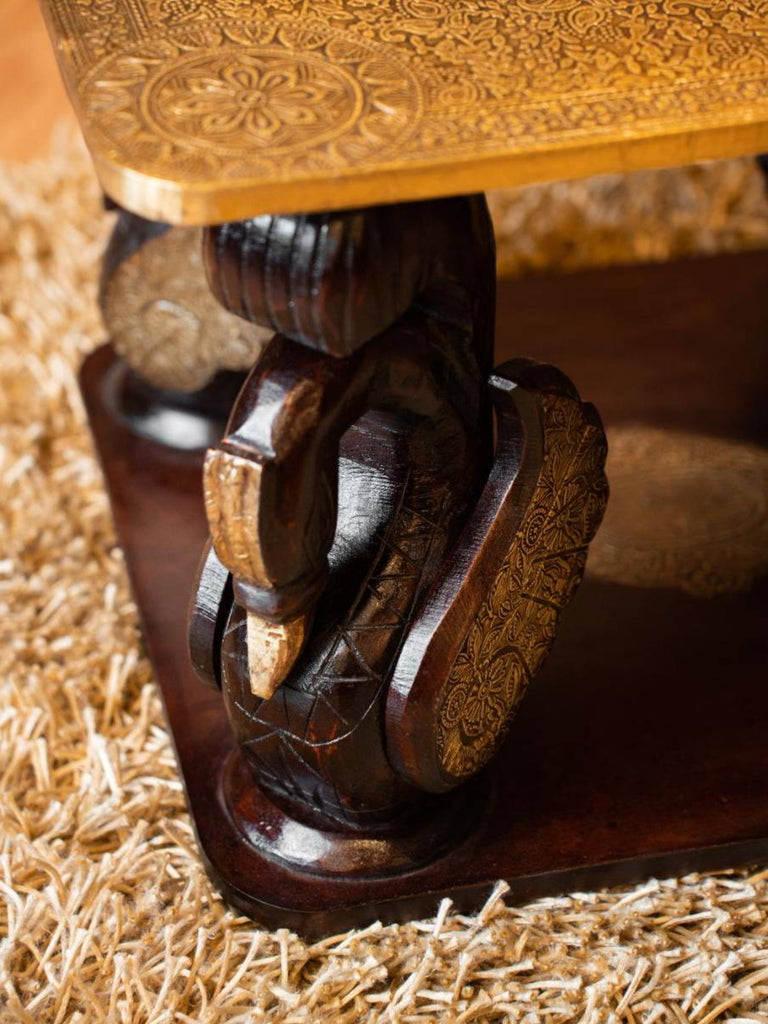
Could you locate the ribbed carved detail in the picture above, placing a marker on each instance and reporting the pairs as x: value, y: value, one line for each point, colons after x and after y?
x: 333, y: 281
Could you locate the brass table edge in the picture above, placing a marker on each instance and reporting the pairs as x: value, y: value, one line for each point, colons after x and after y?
x: 215, y: 202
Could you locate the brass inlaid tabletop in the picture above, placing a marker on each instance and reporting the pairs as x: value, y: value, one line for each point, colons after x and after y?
x: 200, y: 111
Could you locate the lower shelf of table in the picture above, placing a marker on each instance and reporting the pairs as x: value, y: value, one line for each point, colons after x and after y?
x: 641, y: 749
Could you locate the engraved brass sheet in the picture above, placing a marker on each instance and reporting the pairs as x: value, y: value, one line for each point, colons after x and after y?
x: 513, y: 631
x: 198, y: 111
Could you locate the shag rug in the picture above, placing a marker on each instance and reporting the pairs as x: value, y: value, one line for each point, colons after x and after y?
x: 107, y: 915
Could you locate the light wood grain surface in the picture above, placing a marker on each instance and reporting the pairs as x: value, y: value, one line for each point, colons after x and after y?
x: 33, y: 97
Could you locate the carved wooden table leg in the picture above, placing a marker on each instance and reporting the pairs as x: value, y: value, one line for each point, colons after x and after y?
x: 374, y: 604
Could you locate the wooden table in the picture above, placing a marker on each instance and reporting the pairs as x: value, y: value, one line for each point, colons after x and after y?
x: 383, y: 582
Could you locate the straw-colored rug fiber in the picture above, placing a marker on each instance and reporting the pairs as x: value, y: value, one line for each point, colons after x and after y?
x: 107, y: 914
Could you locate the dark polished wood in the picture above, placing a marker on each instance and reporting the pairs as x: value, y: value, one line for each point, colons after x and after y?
x: 642, y: 749
x: 386, y: 310
x: 377, y: 646
x: 333, y: 281
x: 318, y: 744
x: 386, y: 321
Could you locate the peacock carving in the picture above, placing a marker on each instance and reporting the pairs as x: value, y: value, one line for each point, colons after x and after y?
x: 395, y: 525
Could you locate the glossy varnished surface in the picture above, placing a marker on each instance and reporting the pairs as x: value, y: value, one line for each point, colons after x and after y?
x: 386, y: 321
x: 200, y: 111
x: 642, y: 748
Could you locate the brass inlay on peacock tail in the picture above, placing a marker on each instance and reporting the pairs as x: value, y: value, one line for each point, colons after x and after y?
x: 513, y: 632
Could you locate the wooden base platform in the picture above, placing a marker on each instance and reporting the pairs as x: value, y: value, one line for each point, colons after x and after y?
x: 642, y: 747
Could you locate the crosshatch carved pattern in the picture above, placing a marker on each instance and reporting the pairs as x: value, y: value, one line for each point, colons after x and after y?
x: 515, y: 627
x: 282, y: 89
